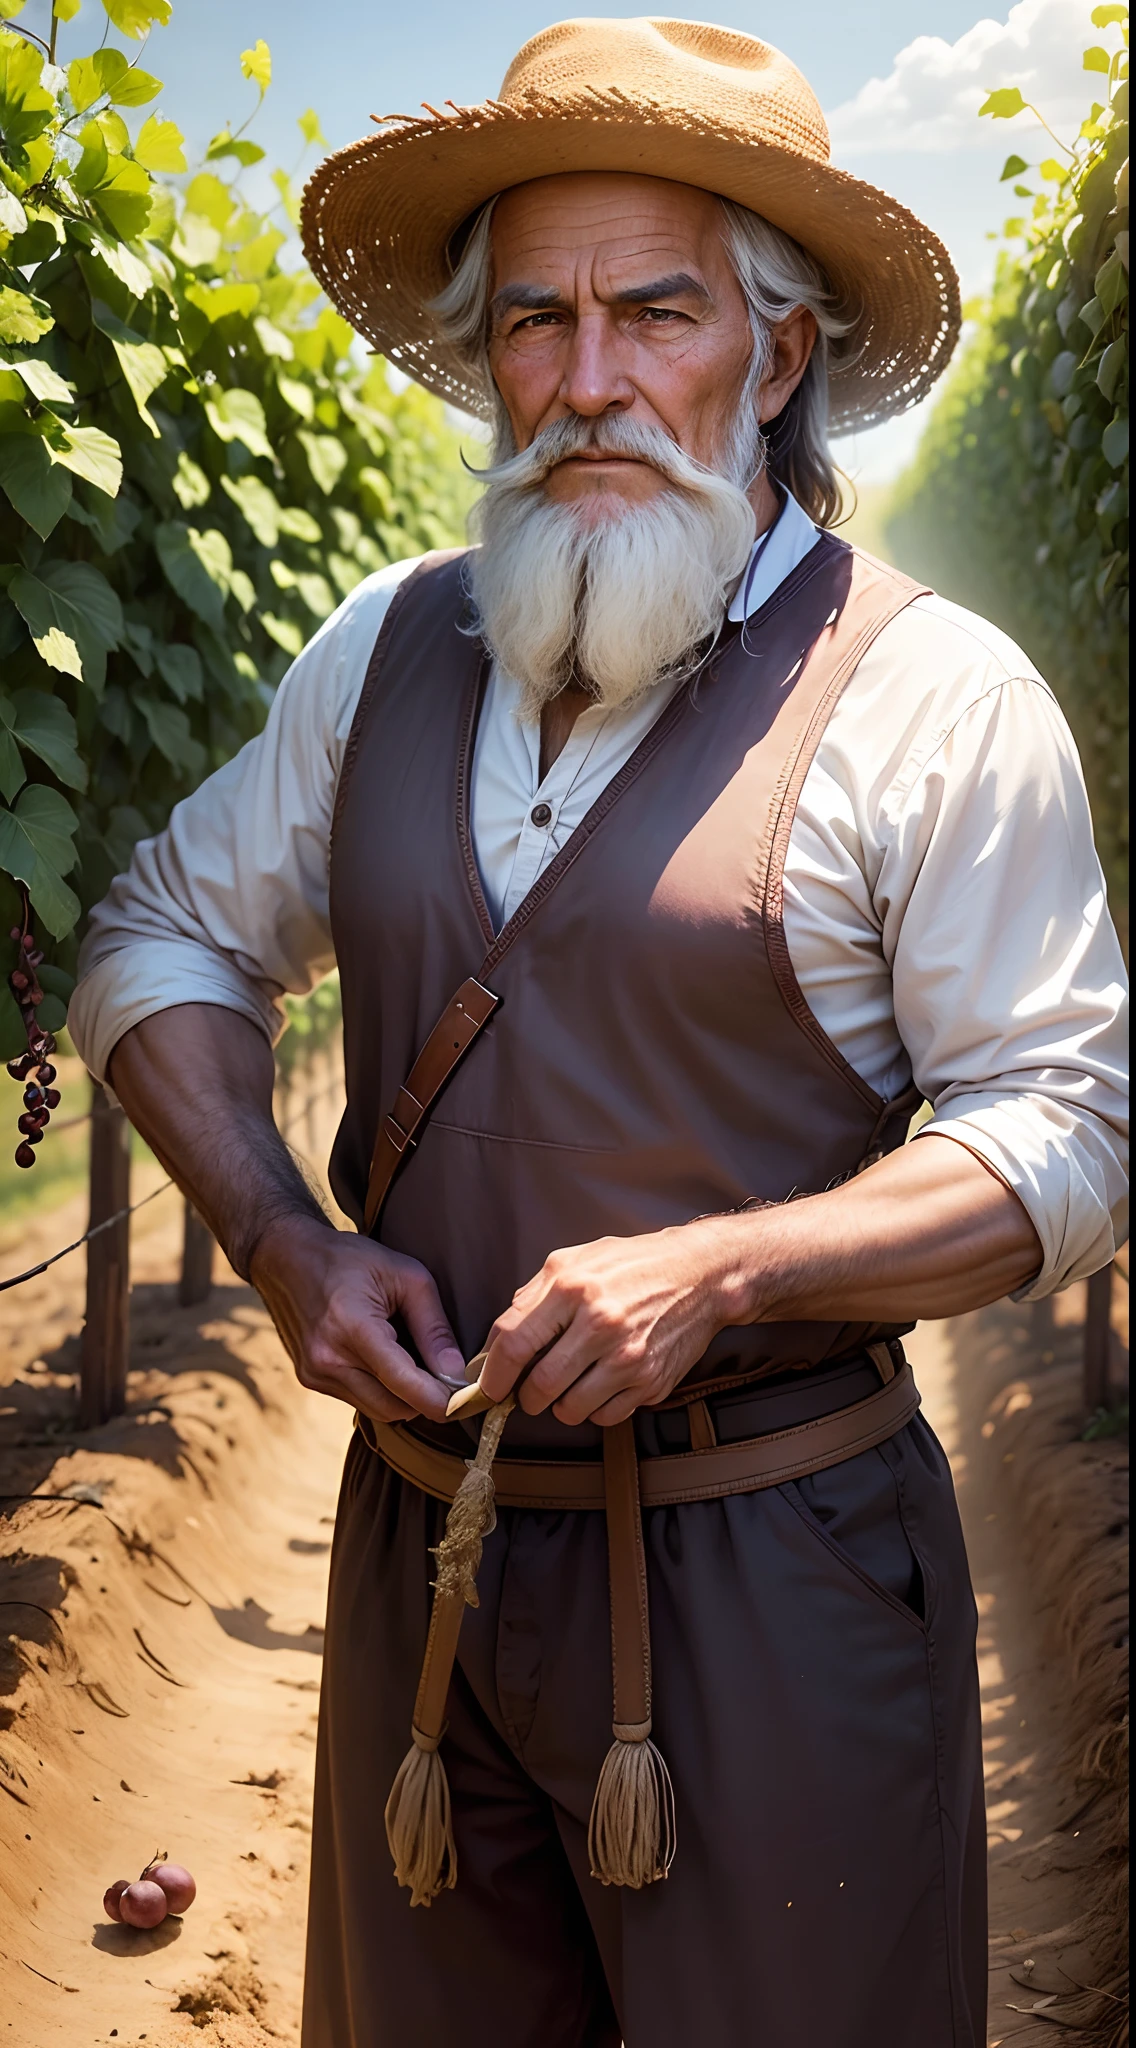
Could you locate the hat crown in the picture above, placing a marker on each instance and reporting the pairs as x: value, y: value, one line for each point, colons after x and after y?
x: 691, y: 67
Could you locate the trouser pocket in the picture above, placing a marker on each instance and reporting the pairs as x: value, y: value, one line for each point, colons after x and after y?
x: 857, y: 1510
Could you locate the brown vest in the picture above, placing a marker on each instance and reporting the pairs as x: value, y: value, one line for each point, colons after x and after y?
x: 652, y: 1057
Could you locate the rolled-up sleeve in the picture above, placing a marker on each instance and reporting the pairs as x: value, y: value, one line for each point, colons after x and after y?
x: 229, y: 905
x: 1008, y: 980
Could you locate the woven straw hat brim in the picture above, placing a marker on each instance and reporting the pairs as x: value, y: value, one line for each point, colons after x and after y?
x: 378, y: 218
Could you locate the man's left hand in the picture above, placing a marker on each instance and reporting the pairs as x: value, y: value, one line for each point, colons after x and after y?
x: 619, y: 1322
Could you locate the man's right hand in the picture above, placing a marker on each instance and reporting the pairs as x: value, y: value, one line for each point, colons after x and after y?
x: 332, y: 1298
x: 197, y: 1082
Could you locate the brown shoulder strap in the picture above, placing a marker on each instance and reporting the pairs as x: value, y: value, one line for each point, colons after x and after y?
x: 463, y: 1017
x: 876, y: 594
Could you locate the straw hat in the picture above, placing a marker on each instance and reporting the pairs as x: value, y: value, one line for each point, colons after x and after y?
x: 682, y: 100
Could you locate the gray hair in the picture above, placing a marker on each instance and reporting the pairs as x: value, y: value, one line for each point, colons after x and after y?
x: 775, y: 274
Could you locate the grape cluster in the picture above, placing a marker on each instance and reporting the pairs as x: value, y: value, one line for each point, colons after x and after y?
x: 33, y: 1067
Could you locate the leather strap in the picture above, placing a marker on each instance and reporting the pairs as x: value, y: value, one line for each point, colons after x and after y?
x: 463, y: 1017
x: 437, y: 1668
x: 627, y: 1581
x: 745, y: 1467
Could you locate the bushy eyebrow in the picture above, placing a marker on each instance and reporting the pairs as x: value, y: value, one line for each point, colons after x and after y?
x: 678, y: 285
x: 528, y: 298
x: 536, y: 298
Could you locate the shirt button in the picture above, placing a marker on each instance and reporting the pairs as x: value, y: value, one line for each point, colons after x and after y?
x: 541, y: 814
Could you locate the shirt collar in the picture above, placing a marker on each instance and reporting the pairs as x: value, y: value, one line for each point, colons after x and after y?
x: 792, y: 536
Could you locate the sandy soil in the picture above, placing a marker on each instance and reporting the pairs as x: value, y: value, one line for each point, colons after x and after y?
x: 1002, y: 1391
x: 159, y: 1687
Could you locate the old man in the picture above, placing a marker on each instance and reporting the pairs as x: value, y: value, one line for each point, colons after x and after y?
x: 672, y: 854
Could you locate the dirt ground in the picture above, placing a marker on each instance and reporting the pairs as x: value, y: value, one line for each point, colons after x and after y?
x: 163, y: 1611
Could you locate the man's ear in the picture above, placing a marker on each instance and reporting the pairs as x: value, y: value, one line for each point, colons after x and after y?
x: 793, y: 341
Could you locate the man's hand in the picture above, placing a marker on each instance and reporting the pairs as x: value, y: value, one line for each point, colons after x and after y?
x: 188, y: 1074
x: 619, y: 1322
x: 332, y: 1298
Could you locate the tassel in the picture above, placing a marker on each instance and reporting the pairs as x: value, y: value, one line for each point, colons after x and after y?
x: 420, y: 1826
x: 631, y: 1833
x: 418, y: 1815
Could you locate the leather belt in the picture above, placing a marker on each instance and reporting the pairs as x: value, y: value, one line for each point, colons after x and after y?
x: 669, y: 1479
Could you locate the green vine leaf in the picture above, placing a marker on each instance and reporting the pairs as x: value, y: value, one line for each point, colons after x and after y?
x: 196, y: 567
x: 1003, y: 104
x: 158, y: 146
x: 258, y: 505
x: 169, y: 730
x: 239, y: 416
x: 45, y: 727
x: 22, y: 318
x: 39, y: 490
x: 257, y: 65
x: 180, y: 667
x: 37, y: 847
x: 135, y: 18
x: 90, y: 454
x: 42, y: 381
x: 326, y: 456
x: 144, y: 366
x: 13, y: 219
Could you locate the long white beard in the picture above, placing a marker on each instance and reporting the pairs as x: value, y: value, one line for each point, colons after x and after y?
x: 618, y: 602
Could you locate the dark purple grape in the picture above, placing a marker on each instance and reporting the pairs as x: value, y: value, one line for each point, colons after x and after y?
x: 34, y: 1137
x: 18, y: 1068
x: 17, y: 979
x: 46, y: 1073
x: 33, y: 1096
x: 28, y: 1122
x: 51, y: 1096
x: 24, y: 1155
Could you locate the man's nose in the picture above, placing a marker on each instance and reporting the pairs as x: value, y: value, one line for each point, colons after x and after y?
x: 594, y: 381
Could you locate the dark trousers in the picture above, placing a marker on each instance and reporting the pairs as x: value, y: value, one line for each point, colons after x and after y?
x: 816, y: 1699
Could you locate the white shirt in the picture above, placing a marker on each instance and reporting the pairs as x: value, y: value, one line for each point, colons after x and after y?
x: 944, y: 906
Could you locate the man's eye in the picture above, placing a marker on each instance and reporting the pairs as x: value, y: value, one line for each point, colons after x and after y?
x: 657, y: 315
x: 536, y: 320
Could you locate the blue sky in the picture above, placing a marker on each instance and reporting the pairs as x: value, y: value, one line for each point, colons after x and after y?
x: 900, y: 81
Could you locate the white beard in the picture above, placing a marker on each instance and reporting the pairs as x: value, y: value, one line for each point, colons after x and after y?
x: 617, y: 603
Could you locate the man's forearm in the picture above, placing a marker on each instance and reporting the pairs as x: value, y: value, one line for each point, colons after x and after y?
x: 927, y: 1232
x: 197, y: 1083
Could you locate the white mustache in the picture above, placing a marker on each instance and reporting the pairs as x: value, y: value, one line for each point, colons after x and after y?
x: 616, y: 435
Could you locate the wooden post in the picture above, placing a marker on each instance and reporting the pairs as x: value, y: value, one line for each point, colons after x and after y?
x: 1098, y: 1340
x: 106, y: 1333
x: 196, y: 1280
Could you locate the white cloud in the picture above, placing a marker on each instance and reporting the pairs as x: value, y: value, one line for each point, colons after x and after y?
x: 930, y: 99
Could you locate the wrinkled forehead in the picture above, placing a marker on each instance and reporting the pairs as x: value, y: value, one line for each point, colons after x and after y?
x: 552, y: 227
